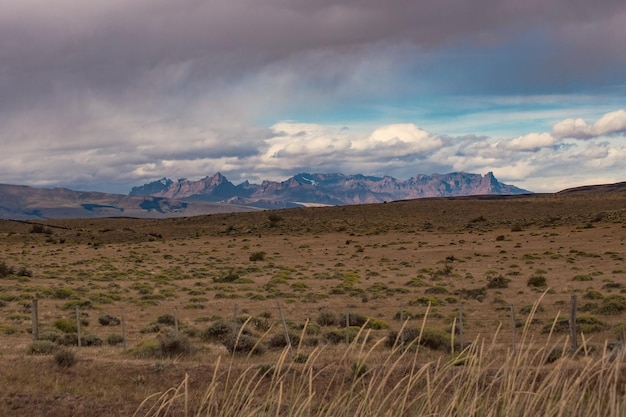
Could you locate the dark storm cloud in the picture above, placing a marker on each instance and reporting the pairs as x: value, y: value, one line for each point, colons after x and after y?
x: 127, y: 90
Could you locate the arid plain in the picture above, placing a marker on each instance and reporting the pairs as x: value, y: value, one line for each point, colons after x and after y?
x: 475, y: 266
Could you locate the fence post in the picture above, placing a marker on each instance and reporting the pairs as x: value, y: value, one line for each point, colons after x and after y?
x: 513, y: 325
x: 347, y: 328
x: 78, y: 326
x: 284, y: 323
x: 401, y: 326
x: 35, y: 323
x: 461, y: 341
x: 176, y: 320
x: 123, y: 330
x: 572, y: 323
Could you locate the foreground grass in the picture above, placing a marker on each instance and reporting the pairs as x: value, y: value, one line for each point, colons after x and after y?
x: 474, y: 382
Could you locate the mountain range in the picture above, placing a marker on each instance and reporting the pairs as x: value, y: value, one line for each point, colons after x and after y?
x: 216, y: 194
x: 326, y: 189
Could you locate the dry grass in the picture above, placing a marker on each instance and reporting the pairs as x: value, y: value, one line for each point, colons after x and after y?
x: 478, y: 381
x: 371, y: 261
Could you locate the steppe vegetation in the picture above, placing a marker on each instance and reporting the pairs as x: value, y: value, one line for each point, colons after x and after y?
x: 428, y: 307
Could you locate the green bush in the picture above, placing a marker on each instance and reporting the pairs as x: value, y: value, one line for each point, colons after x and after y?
x: 41, y: 347
x: 328, y: 318
x: 217, y: 332
x: 166, y: 319
x: 584, y: 324
x: 537, y: 281
x: 115, y: 339
x: 593, y: 295
x: 65, y: 358
x: 612, y: 305
x: 243, y: 344
x: 147, y: 349
x: 257, y: 256
x: 173, y: 344
x: 498, y: 282
x: 108, y: 320
x: 91, y: 340
x: 478, y: 294
x: 278, y: 341
x: 432, y: 338
x: 65, y: 325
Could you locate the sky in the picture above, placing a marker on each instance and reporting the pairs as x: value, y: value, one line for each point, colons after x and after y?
x: 107, y: 95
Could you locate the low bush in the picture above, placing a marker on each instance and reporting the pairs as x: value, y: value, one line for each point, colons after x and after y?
x: 612, y: 305
x: 584, y: 324
x: 115, y: 339
x: 41, y: 347
x: 217, y: 332
x: 166, y: 319
x: 65, y: 325
x: 65, y: 358
x: 537, y: 281
x: 278, y: 341
x: 431, y: 337
x: 173, y: 344
x: 257, y: 256
x: 328, y: 318
x: 498, y: 282
x: 108, y: 320
x: 243, y: 344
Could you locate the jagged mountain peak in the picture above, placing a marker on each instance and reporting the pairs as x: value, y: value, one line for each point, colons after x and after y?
x: 330, y: 188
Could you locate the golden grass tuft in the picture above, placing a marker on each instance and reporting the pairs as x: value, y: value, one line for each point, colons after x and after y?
x: 477, y: 381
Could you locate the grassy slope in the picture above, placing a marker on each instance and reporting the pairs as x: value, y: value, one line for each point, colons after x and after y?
x: 370, y: 259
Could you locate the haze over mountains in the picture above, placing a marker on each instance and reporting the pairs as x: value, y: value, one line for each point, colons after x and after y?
x: 215, y: 194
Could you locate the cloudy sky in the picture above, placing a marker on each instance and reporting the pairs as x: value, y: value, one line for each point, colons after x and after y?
x: 106, y: 95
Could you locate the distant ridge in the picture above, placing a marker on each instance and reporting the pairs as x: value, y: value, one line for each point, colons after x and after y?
x: 20, y: 202
x: 329, y: 189
x: 603, y: 188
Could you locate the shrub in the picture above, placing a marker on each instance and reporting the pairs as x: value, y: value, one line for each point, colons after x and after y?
x: 65, y: 358
x: 65, y: 325
x: 425, y: 300
x: 437, y: 289
x: 243, y: 344
x: 6, y: 270
x: 355, y: 319
x: 173, y: 344
x: 582, y: 278
x: 498, y: 282
x: 115, y: 339
x: 478, y: 294
x: 328, y: 318
x: 257, y: 256
x: 537, y: 281
x: 166, y: 319
x: 278, y: 341
x: 41, y: 347
x: 91, y: 340
x: 612, y: 305
x: 147, y: 349
x: 584, y: 323
x: 377, y: 324
x: 108, y: 320
x: 218, y: 331
x: 593, y: 295
x: 432, y: 338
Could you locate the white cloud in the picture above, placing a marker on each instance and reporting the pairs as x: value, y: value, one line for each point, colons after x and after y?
x: 530, y: 142
x: 609, y: 124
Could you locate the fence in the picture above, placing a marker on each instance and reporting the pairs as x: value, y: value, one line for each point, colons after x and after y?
x: 462, y: 326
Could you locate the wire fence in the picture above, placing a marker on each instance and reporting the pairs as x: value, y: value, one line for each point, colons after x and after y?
x: 445, y: 328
